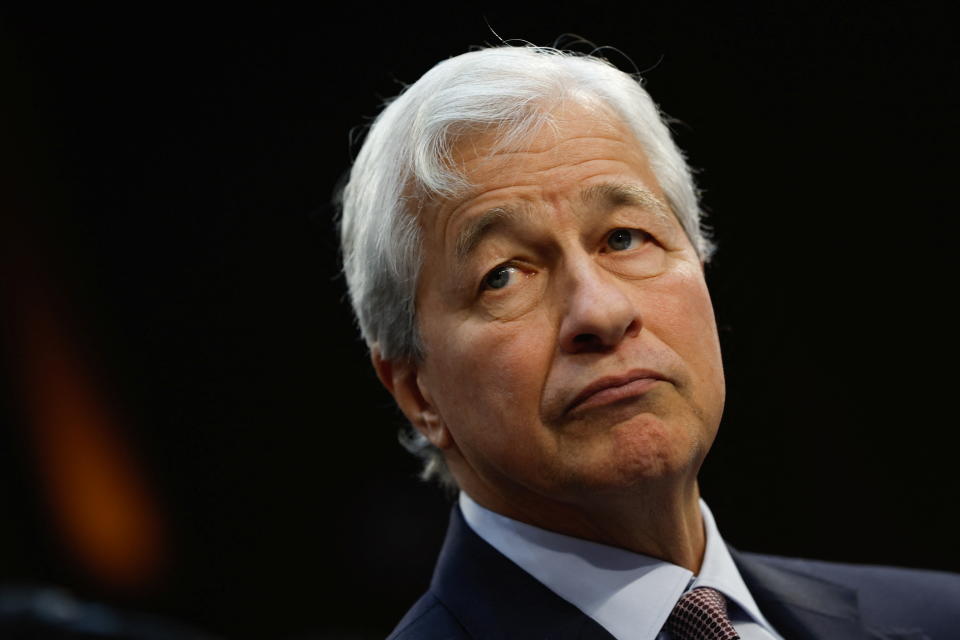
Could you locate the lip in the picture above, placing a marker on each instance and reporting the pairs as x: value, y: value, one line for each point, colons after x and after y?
x: 611, y: 389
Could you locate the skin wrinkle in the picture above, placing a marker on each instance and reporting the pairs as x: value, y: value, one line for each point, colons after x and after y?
x: 500, y: 221
x: 606, y: 196
x: 474, y: 193
x: 622, y: 194
x: 463, y: 247
x: 492, y: 392
x: 474, y: 231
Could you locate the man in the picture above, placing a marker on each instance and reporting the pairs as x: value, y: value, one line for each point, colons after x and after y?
x: 523, y: 246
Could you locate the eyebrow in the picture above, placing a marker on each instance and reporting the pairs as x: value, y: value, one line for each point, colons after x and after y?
x: 606, y: 196
x: 610, y: 195
x: 482, y: 225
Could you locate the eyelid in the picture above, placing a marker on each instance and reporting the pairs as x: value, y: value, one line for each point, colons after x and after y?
x: 521, y: 271
x: 483, y: 279
x: 642, y: 237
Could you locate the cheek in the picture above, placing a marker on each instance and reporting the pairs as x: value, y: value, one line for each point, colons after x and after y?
x: 688, y: 326
x: 491, y: 373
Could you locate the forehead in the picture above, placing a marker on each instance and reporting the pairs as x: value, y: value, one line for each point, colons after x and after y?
x: 565, y: 136
x: 573, y: 151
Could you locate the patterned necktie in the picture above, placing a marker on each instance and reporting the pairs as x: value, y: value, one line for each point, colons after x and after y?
x: 701, y: 614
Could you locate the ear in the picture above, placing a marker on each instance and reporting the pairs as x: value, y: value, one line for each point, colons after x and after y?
x: 405, y: 382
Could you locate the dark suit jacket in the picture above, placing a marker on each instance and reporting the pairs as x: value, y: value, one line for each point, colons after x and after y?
x: 476, y: 592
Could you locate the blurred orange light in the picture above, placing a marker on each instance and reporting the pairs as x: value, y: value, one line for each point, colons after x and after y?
x: 100, y: 502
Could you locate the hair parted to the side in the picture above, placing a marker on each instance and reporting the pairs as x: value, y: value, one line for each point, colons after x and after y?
x: 406, y: 160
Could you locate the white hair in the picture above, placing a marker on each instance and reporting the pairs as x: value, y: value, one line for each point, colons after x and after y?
x: 406, y: 160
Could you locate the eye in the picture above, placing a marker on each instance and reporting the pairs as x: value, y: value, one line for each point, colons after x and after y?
x: 499, y: 278
x: 623, y: 239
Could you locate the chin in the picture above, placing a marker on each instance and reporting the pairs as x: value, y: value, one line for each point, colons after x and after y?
x: 642, y: 451
x: 647, y: 449
x: 650, y: 446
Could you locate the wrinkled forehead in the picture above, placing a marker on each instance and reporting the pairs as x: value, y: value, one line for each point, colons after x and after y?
x: 476, y: 158
x: 582, y: 162
x: 539, y: 129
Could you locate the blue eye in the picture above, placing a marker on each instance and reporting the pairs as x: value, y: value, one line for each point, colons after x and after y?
x: 499, y: 277
x: 623, y: 239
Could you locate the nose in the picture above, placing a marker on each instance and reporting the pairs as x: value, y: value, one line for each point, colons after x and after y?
x: 598, y: 311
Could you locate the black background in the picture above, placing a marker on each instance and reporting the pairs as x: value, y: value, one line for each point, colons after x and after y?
x: 180, y: 166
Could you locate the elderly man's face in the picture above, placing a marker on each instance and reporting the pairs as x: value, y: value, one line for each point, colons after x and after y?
x: 569, y: 336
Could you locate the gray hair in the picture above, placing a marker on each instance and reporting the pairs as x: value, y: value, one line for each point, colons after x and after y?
x: 406, y: 160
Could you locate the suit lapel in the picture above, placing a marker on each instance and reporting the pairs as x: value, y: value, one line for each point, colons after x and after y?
x: 802, y: 607
x: 494, y: 598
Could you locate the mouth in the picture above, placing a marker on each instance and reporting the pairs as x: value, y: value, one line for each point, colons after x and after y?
x: 612, y: 389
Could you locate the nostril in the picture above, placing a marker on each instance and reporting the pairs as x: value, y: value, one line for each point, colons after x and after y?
x: 589, y: 342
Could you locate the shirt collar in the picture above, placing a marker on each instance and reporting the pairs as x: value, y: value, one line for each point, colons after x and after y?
x: 718, y: 571
x: 629, y: 594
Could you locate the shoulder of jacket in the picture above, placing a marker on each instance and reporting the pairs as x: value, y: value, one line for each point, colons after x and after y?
x: 858, y: 576
x: 428, y: 619
x: 892, y: 597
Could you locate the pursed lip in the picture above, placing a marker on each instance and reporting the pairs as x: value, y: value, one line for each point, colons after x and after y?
x: 613, y: 388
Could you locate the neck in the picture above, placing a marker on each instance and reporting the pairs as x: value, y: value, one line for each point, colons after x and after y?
x: 659, y: 521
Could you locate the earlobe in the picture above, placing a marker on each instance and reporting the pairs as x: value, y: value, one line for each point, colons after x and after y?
x: 383, y: 368
x: 405, y: 382
x: 434, y: 427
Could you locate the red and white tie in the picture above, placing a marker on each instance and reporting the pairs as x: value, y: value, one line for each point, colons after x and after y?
x: 701, y: 614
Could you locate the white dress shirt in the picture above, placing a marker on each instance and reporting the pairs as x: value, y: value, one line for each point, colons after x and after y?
x: 628, y: 594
